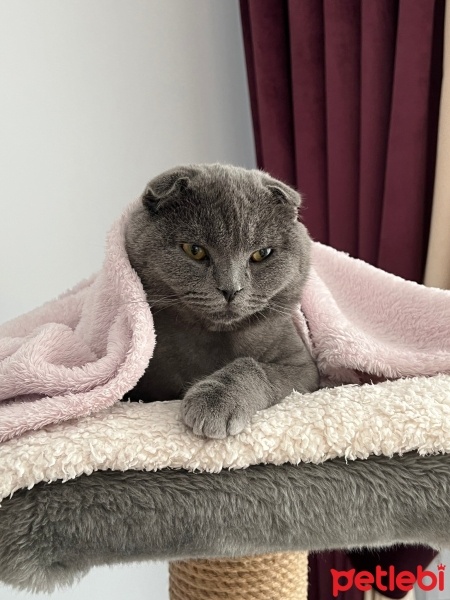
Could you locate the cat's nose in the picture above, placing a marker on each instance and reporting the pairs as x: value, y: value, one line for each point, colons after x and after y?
x: 229, y: 294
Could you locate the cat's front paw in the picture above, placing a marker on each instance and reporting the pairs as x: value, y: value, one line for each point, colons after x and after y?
x: 211, y: 410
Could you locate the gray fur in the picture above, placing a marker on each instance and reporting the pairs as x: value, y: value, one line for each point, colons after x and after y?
x: 226, y: 341
x: 54, y: 533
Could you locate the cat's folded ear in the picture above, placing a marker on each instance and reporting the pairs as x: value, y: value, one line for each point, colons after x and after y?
x: 167, y: 186
x: 284, y: 194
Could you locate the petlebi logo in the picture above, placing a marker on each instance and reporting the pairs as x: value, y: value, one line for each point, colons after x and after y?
x: 388, y: 580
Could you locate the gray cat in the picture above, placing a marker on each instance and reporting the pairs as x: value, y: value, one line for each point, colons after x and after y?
x: 223, y: 260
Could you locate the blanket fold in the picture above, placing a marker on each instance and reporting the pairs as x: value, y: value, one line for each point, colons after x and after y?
x: 79, y: 354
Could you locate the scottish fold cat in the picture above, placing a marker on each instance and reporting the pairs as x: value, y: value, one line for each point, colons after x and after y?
x: 223, y: 260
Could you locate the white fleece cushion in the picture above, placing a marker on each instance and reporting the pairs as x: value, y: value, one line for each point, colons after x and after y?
x: 353, y: 421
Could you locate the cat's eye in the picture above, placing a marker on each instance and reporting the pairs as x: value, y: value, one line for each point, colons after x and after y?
x: 194, y: 251
x: 260, y: 254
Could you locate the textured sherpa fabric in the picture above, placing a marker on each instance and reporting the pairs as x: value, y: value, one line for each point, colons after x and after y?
x: 56, y: 532
x: 82, y: 352
x: 348, y: 421
x: 362, y: 318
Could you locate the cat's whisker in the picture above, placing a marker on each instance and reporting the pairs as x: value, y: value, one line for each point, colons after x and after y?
x: 165, y: 295
x: 203, y: 304
x: 196, y: 294
x: 168, y: 300
x: 286, y: 313
x: 159, y: 300
x: 161, y: 309
x: 135, y: 302
x: 281, y: 313
x: 282, y: 306
x: 260, y: 316
x: 158, y: 297
x: 284, y: 310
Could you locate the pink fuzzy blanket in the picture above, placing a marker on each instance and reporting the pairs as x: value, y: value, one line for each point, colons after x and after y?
x: 82, y: 352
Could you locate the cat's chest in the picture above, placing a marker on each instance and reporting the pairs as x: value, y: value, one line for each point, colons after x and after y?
x: 181, y: 357
x: 193, y: 354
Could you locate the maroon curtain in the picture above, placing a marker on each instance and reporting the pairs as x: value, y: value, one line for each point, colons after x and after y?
x: 345, y: 101
x: 345, y: 98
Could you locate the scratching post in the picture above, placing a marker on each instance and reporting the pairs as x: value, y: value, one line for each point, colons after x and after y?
x: 281, y: 576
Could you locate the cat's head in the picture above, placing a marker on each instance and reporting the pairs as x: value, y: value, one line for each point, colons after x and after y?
x: 220, y: 243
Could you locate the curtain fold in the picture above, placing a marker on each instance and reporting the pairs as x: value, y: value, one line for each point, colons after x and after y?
x: 344, y: 100
x: 342, y: 83
x: 270, y: 87
x: 309, y: 113
x: 401, y: 248
x: 345, y: 103
x: 378, y: 43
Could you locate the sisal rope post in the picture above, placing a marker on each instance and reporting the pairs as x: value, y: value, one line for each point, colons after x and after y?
x: 280, y: 576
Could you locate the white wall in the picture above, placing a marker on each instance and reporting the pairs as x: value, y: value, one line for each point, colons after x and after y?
x: 97, y: 97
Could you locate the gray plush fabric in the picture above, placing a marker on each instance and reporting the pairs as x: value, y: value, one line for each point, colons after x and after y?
x: 56, y: 532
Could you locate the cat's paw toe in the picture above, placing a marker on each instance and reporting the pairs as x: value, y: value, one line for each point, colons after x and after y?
x: 208, y: 411
x: 237, y: 422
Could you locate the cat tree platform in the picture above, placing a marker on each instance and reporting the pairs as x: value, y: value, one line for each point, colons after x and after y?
x: 54, y: 533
